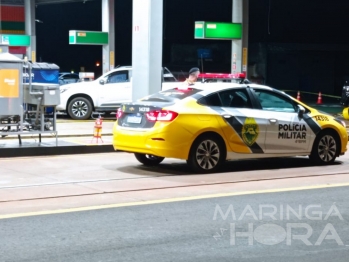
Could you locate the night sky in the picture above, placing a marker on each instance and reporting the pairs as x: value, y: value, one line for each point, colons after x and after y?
x: 292, y: 21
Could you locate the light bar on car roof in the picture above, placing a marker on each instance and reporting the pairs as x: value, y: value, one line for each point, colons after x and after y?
x: 184, y: 88
x: 222, y: 76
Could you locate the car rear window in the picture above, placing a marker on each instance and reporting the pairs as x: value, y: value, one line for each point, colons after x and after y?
x: 211, y: 100
x: 171, y: 95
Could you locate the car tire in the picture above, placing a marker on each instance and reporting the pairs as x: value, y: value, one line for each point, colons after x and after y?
x: 80, y: 108
x: 149, y: 160
x: 207, y: 154
x: 325, y: 147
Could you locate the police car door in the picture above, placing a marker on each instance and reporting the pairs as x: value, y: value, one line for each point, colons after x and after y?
x: 243, y: 126
x: 116, y: 89
x: 286, y: 132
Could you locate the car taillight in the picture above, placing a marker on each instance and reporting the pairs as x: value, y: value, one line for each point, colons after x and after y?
x: 161, y: 115
x: 119, y: 113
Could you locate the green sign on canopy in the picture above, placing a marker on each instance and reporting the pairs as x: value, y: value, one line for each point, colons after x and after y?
x: 217, y: 30
x: 87, y: 38
x: 15, y: 40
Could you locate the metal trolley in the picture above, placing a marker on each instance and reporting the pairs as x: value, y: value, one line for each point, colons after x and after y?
x: 23, y: 105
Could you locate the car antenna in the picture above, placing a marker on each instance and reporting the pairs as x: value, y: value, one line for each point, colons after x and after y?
x: 202, y: 69
x: 183, y: 74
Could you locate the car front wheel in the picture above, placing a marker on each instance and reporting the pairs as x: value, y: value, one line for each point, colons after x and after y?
x: 80, y: 108
x: 149, y: 160
x: 324, y: 149
x: 207, y: 154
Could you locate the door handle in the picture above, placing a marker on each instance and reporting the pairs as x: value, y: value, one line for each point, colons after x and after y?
x: 273, y: 120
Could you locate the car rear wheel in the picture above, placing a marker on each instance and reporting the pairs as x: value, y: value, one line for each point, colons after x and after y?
x: 207, y: 154
x: 324, y: 149
x: 80, y: 108
x: 149, y: 160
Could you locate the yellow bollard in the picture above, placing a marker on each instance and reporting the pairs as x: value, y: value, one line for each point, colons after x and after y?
x: 346, y: 113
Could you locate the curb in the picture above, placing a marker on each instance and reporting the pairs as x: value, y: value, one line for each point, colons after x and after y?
x: 57, y: 150
x: 30, y: 136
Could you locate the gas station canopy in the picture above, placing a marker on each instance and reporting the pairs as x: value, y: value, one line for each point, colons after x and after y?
x: 40, y: 2
x: 25, y: 27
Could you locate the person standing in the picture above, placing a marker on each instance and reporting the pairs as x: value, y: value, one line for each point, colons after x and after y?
x: 193, y: 76
x: 345, y: 95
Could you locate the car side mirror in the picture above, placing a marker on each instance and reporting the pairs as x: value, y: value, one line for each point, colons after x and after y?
x: 101, y: 82
x: 301, y: 111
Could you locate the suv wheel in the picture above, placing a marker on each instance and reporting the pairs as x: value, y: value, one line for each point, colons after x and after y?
x: 80, y: 108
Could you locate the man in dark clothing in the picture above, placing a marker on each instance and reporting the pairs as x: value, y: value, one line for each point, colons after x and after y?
x: 193, y: 76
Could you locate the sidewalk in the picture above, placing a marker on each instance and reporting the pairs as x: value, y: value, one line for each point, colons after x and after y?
x: 72, y: 137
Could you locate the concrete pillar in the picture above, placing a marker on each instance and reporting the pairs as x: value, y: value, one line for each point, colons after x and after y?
x: 108, y: 25
x: 29, y: 11
x: 245, y: 29
x: 239, y: 54
x: 146, y: 47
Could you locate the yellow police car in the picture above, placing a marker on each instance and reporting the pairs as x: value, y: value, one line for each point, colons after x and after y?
x: 207, y: 124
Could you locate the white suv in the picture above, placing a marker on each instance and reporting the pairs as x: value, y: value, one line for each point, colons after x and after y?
x: 105, y: 94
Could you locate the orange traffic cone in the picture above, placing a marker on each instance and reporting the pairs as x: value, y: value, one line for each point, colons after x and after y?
x: 319, y: 99
x: 299, y: 96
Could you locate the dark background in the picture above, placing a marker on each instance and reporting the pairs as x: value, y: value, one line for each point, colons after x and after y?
x: 314, y: 31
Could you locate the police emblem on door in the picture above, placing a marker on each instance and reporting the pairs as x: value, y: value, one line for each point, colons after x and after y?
x: 250, y: 131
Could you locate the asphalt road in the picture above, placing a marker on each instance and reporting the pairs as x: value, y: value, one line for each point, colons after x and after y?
x: 193, y: 230
x: 108, y: 207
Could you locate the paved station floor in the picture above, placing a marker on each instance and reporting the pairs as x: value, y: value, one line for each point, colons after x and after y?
x: 72, y: 137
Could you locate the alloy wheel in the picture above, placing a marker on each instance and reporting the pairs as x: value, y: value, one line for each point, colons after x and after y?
x: 79, y: 108
x: 327, y: 148
x: 207, y: 154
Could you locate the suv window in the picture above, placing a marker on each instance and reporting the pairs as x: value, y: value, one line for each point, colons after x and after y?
x: 169, y: 78
x: 70, y: 76
x: 272, y: 101
x: 117, y: 77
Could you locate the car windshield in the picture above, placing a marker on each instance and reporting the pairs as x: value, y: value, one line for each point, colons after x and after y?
x: 171, y: 95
